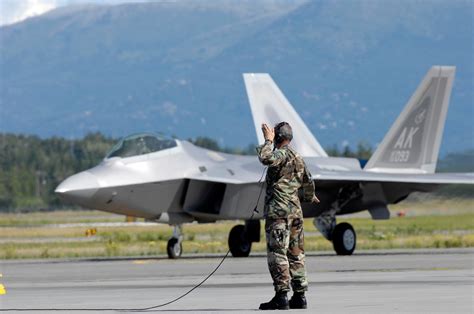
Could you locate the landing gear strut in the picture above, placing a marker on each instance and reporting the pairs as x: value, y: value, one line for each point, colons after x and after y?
x: 174, y: 247
x: 342, y: 235
x: 241, y: 238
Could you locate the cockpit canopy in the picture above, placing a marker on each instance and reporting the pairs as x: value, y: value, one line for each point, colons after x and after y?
x: 140, y: 144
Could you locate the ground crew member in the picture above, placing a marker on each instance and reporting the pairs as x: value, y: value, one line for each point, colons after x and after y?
x: 286, y: 175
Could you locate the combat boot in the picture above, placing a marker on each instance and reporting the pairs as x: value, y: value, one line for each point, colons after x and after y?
x: 279, y: 302
x: 298, y: 301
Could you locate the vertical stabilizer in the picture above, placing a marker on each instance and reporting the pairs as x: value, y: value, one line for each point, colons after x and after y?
x: 412, y: 144
x: 269, y: 105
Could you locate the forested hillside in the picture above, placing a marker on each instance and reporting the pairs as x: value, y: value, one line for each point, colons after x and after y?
x: 31, y: 168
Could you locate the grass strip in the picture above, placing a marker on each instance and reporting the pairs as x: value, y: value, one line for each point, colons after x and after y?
x: 439, y: 231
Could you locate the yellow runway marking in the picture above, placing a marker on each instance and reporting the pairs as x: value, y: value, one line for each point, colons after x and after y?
x: 140, y: 262
x: 2, y: 287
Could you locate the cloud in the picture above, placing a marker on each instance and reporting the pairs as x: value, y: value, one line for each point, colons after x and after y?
x: 168, y: 108
x: 311, y: 96
x: 12, y: 11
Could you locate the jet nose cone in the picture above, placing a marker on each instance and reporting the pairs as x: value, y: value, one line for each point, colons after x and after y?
x: 79, y: 188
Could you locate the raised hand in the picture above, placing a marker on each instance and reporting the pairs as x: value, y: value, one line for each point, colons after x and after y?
x: 268, y: 132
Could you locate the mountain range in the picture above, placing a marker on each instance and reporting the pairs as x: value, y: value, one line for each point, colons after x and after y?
x: 348, y: 67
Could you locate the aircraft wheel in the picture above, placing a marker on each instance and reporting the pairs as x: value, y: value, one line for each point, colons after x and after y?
x: 174, y: 248
x: 239, y: 245
x: 344, y: 239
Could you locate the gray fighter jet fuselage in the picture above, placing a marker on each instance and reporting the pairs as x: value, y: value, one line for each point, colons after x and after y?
x: 155, y: 183
x: 175, y: 182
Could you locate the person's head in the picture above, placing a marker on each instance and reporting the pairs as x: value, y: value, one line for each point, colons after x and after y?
x: 283, y: 133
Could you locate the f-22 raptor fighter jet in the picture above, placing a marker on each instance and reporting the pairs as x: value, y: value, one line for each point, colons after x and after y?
x: 175, y: 182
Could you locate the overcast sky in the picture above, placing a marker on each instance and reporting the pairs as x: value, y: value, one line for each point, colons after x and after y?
x: 12, y: 11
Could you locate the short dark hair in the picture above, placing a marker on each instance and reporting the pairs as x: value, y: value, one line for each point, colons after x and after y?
x: 283, y: 132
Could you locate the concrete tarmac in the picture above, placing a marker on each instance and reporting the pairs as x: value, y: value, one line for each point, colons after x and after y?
x: 429, y: 281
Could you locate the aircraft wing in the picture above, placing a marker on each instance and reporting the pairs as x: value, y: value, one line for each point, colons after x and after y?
x: 222, y: 179
x: 237, y: 193
x: 367, y: 176
x: 247, y: 170
x: 362, y: 176
x: 224, y: 168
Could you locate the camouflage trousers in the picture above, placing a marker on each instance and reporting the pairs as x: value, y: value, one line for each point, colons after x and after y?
x: 285, y: 253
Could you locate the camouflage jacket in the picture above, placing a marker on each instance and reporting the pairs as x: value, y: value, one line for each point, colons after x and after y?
x: 286, y: 175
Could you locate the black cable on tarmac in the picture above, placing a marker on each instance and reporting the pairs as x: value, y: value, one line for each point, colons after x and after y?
x: 151, y: 307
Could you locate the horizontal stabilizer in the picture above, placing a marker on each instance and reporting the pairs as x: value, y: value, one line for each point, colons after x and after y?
x: 270, y: 106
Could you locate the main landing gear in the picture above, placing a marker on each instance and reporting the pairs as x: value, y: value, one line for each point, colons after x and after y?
x: 241, y: 238
x: 175, y: 247
x: 342, y: 235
